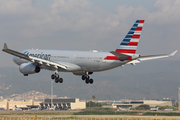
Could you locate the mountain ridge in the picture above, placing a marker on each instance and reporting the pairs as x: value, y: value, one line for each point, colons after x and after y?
x: 155, y: 80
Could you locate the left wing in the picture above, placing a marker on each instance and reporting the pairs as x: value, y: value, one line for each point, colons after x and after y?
x: 34, y: 59
x: 151, y: 57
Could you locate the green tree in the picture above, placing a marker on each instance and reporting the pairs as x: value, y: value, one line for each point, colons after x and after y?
x: 143, y: 107
x: 93, y: 97
x: 93, y: 104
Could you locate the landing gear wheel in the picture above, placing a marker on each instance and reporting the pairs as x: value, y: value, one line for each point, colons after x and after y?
x: 60, y: 80
x: 56, y: 80
x: 83, y: 77
x: 87, y: 77
x: 91, y: 81
x: 87, y: 81
x: 53, y: 76
x: 57, y: 76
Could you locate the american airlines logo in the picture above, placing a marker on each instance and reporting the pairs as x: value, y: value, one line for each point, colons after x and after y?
x: 42, y: 56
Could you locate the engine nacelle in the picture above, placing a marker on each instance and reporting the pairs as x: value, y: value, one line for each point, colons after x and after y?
x: 29, y: 68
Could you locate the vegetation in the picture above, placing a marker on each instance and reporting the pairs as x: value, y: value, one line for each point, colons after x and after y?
x: 91, y: 111
x: 93, y: 97
x: 93, y: 104
x: 84, y: 118
x: 37, y: 112
x: 106, y: 113
x: 162, y: 113
x: 142, y: 107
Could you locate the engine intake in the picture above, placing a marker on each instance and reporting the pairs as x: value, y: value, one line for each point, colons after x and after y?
x: 29, y: 68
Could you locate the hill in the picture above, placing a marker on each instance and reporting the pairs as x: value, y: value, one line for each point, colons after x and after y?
x: 155, y: 79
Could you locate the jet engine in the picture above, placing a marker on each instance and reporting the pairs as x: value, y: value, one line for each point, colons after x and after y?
x: 29, y: 68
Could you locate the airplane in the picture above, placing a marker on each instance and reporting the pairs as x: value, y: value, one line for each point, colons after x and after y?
x: 17, y: 108
x: 2, y: 109
x: 121, y: 109
x: 35, y: 109
x: 169, y: 109
x: 154, y: 109
x: 82, y: 63
x: 52, y: 108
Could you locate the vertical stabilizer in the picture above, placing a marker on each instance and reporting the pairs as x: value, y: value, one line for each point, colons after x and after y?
x: 130, y: 42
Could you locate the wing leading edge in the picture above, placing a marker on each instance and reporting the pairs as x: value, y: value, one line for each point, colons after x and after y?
x: 34, y: 59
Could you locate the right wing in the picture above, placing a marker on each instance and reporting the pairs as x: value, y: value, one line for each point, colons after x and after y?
x: 151, y: 57
x: 35, y: 60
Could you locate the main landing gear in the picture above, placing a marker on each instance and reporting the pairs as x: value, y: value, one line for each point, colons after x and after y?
x: 56, y: 77
x: 87, y: 79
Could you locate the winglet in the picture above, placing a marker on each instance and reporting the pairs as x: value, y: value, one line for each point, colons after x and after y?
x: 5, y: 46
x: 172, y: 54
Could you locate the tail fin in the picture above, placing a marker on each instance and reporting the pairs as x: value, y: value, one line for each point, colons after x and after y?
x: 130, y: 42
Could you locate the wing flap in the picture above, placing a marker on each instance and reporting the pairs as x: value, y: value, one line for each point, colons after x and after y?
x: 47, y: 62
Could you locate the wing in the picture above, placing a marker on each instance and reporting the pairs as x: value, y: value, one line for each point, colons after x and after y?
x: 151, y: 57
x: 34, y: 59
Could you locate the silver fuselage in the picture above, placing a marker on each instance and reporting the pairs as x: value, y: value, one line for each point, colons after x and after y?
x: 75, y: 60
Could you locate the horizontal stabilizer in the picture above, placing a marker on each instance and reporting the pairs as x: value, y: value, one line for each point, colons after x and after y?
x: 121, y: 56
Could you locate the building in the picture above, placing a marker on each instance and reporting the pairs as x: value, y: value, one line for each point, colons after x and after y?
x: 135, y: 103
x: 10, y: 104
x: 64, y: 104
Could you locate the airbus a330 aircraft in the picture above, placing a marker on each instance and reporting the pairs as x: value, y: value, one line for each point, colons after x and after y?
x: 154, y: 109
x: 82, y: 63
x: 121, y: 109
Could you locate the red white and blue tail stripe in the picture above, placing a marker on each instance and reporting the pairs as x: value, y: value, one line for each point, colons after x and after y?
x: 130, y: 42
